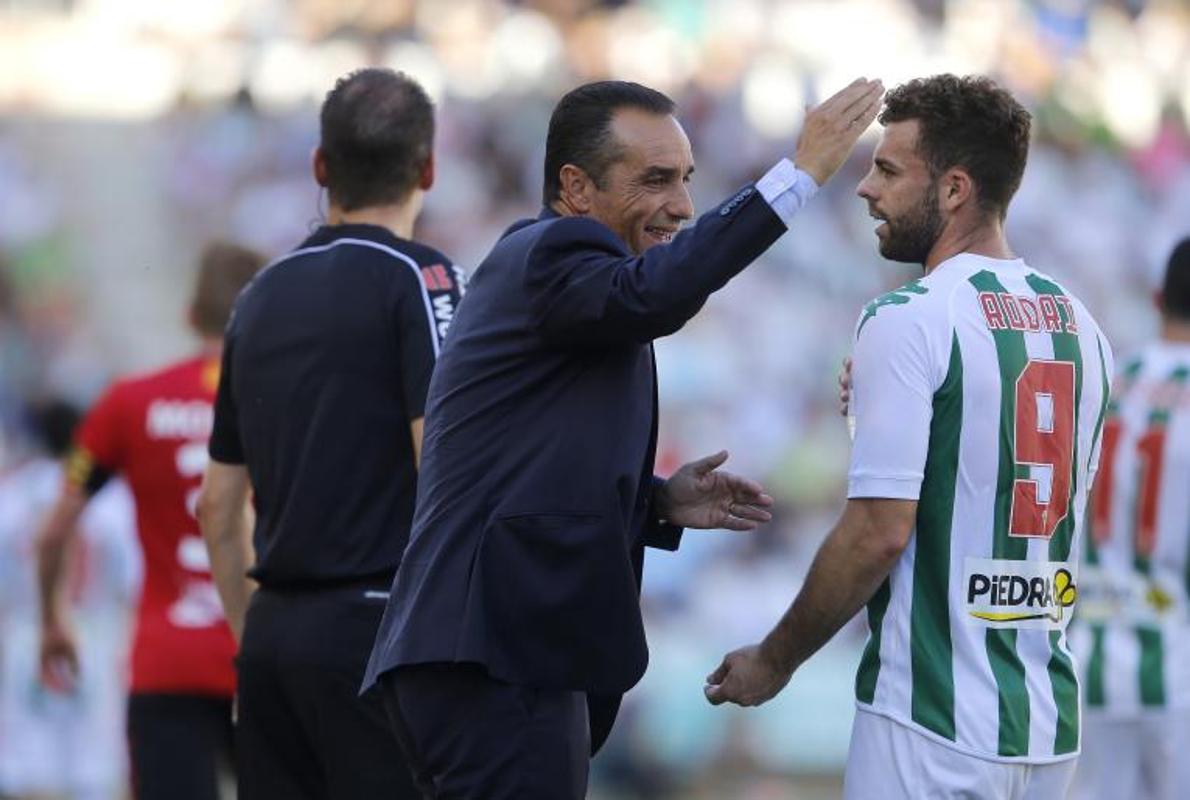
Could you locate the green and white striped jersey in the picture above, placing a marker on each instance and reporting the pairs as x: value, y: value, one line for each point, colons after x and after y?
x: 1132, y: 630
x: 980, y: 391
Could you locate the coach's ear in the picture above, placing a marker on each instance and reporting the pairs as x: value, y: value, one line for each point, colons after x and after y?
x: 318, y: 166
x: 427, y: 175
x: 955, y: 189
x: 575, y: 189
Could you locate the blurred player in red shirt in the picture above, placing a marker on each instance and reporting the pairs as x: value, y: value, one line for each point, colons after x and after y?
x: 153, y: 431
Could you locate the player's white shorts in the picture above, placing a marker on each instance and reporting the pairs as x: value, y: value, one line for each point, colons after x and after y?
x: 889, y: 761
x: 1141, y: 758
x: 57, y: 744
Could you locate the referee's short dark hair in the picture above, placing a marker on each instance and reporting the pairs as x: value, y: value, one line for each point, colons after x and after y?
x: 377, y: 129
x: 580, y: 129
x: 1175, y: 290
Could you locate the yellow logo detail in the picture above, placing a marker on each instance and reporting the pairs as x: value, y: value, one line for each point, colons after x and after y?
x: 1158, y: 598
x: 1065, y: 592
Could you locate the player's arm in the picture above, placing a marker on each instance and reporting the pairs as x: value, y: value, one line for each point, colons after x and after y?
x: 894, y: 383
x: 856, y: 557
x: 95, y: 458
x: 55, y: 543
x: 225, y: 520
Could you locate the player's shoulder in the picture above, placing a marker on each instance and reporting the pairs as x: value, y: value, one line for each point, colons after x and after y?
x: 180, y: 376
x: 908, y: 306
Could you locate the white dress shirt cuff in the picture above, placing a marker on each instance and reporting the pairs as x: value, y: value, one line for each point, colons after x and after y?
x: 786, y: 189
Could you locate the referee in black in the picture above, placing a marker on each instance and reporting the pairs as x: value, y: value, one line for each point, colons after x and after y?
x: 318, y: 418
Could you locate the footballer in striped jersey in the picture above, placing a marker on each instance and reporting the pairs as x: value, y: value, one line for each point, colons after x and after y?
x: 979, y: 393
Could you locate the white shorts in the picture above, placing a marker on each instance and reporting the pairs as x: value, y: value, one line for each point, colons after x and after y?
x: 63, y: 744
x: 889, y: 761
x: 1139, y: 758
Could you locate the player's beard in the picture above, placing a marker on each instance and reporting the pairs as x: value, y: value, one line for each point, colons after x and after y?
x: 912, y: 235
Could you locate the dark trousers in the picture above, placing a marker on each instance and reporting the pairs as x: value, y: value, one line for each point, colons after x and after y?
x: 469, y: 736
x: 176, y: 743
x: 303, y: 732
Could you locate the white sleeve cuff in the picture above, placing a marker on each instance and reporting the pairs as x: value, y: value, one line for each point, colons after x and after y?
x: 786, y: 189
x: 884, y: 488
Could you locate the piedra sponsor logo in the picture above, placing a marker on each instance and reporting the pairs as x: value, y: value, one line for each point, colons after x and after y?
x: 1019, y: 594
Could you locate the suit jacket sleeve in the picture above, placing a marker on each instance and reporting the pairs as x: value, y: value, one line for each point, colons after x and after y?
x: 586, y: 289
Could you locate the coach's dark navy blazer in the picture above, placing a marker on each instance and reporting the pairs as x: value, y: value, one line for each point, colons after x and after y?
x: 535, y: 495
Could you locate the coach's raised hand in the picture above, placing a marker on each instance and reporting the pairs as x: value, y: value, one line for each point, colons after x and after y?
x: 833, y: 127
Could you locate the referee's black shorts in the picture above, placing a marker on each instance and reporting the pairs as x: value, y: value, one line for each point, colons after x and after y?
x: 303, y: 731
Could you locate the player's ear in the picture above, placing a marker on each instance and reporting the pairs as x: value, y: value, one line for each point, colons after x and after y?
x: 956, y: 189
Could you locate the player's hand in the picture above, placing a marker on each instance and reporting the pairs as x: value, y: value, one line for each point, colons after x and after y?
x: 845, y: 386
x: 832, y: 128
x: 700, y: 496
x: 59, y: 658
x: 746, y: 677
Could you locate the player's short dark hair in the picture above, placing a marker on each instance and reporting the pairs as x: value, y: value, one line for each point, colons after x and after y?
x: 377, y: 129
x: 967, y: 122
x: 223, y: 270
x: 580, y: 129
x: 1175, y: 289
x: 53, y: 422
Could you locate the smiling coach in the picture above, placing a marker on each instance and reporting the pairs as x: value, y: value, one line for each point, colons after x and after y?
x: 515, y: 610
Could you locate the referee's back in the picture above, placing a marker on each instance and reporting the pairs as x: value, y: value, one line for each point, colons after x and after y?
x: 328, y: 358
x: 326, y: 366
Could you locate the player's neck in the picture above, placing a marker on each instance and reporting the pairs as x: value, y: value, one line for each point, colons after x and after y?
x: 211, y: 346
x: 396, y: 217
x: 1175, y: 330
x: 983, y: 238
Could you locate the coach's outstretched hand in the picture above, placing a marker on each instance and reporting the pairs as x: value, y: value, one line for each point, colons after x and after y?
x: 833, y: 127
x: 700, y: 496
x: 747, y: 677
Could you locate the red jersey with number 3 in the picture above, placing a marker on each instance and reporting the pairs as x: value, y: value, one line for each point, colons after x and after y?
x: 153, y: 430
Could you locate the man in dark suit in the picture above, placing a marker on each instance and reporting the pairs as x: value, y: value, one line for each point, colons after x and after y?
x: 514, y: 623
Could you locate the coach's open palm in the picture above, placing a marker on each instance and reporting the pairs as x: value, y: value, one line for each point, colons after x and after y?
x: 746, y: 677
x: 700, y: 496
x: 834, y: 126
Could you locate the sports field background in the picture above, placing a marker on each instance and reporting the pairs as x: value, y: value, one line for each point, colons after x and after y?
x: 131, y: 131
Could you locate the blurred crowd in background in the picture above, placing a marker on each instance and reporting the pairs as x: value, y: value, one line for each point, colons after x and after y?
x: 133, y: 131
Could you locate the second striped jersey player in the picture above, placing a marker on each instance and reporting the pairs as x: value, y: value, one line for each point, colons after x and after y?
x: 1137, y: 563
x: 1132, y: 630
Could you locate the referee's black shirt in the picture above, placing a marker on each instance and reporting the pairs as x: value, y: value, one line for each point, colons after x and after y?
x: 326, y: 361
